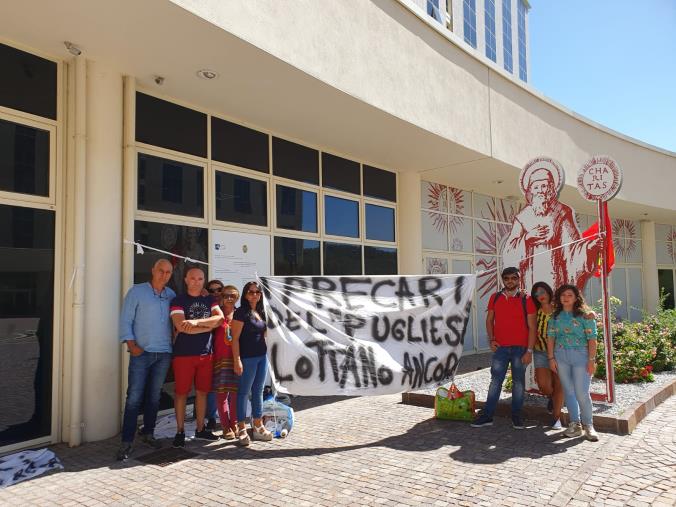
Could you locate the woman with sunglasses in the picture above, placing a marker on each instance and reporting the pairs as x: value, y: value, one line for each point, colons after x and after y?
x: 250, y: 360
x: 548, y: 381
x: 225, y: 381
x: 571, y: 350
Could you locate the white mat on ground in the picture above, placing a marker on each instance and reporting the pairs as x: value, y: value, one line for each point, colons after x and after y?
x: 26, y: 465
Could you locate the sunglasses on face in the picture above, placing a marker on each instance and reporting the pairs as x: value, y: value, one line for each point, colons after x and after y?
x: 229, y: 296
x: 540, y: 292
x: 254, y: 292
x: 213, y: 290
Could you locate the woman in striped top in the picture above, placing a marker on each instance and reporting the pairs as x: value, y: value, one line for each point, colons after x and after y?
x: 548, y: 381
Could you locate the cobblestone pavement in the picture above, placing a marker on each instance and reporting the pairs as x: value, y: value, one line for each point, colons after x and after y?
x: 372, y: 451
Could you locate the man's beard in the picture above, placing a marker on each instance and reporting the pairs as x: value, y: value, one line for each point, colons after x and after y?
x: 542, y: 204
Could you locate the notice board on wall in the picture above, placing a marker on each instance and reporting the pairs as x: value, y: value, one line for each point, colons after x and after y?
x: 237, y: 257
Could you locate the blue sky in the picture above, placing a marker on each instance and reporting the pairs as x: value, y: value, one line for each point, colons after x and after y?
x: 613, y: 61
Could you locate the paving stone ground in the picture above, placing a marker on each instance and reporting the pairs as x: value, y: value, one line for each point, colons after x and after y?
x: 376, y: 451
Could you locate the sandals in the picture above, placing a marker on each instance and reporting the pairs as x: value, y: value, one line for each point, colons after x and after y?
x: 229, y: 435
x: 260, y: 433
x: 243, y: 439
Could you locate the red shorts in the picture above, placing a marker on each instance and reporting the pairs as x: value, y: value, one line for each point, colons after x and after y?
x: 192, y: 368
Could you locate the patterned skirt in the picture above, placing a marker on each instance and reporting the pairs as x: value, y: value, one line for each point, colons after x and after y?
x: 224, y: 380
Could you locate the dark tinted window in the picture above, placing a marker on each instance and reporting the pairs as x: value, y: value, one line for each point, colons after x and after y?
x: 380, y: 184
x: 341, y: 217
x: 241, y: 199
x: 296, y: 209
x: 24, y: 159
x: 342, y: 259
x: 240, y: 146
x: 380, y: 261
x: 296, y: 257
x: 665, y: 279
x: 340, y: 173
x: 178, y: 239
x: 296, y: 162
x: 28, y: 82
x: 167, y: 186
x: 26, y: 312
x: 171, y: 126
x: 379, y: 222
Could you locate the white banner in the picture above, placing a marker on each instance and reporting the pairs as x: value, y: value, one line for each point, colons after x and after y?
x: 354, y: 335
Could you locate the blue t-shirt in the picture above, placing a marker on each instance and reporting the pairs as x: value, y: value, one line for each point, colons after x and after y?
x: 252, y: 338
x: 571, y: 332
x: 193, y: 307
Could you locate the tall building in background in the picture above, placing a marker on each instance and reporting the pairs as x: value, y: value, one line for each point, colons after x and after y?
x: 496, y: 29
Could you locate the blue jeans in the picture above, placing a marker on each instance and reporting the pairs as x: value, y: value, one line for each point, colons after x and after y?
x: 502, y: 357
x: 146, y: 375
x: 254, y: 370
x: 211, y: 406
x: 575, y: 380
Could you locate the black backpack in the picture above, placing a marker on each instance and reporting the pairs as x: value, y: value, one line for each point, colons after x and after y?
x: 524, y: 298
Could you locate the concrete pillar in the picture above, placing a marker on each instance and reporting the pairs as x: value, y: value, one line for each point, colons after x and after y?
x: 651, y: 289
x: 103, y: 252
x: 410, y: 229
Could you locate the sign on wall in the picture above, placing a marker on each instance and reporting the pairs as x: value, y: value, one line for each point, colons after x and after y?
x: 238, y: 257
x: 599, y: 179
x: 365, y: 335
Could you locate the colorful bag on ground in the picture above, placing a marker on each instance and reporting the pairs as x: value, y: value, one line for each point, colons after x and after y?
x: 453, y: 404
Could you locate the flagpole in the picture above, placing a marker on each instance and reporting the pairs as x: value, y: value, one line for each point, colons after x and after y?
x: 607, y: 332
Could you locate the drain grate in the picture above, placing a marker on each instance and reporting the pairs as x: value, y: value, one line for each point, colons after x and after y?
x: 165, y: 457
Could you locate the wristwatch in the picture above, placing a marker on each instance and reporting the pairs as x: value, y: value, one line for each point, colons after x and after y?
x: 529, y: 350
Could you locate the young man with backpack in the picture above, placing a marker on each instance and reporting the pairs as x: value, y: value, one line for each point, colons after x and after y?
x: 511, y: 328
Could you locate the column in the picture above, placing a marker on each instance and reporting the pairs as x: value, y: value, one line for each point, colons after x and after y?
x: 409, y: 227
x: 651, y: 290
x: 101, y: 369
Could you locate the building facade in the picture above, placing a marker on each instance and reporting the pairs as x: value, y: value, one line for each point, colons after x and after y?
x: 309, y: 138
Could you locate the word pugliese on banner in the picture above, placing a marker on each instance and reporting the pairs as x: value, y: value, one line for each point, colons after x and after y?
x: 370, y: 335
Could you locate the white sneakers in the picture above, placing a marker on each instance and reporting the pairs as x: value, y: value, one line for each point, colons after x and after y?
x: 590, y: 434
x: 556, y: 425
x: 574, y: 430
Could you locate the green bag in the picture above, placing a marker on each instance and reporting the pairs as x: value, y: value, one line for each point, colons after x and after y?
x: 454, y: 405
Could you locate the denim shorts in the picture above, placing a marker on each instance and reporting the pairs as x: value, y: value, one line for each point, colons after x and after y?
x: 540, y: 359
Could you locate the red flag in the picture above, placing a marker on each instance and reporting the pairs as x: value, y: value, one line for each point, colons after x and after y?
x: 607, y: 242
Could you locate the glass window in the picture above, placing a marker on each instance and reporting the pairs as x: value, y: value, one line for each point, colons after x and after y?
x: 379, y: 223
x: 342, y: 259
x: 28, y: 82
x: 460, y: 233
x: 26, y: 313
x: 433, y: 10
x: 469, y: 21
x: 296, y: 257
x: 168, y: 186
x: 434, y: 230
x: 618, y: 283
x: 635, y: 294
x: 340, y: 173
x: 485, y: 237
x: 241, y: 199
x: 24, y: 159
x: 296, y: 162
x: 241, y: 146
x: 341, y: 217
x: 484, y: 207
x: 434, y: 196
x: 380, y: 184
x: 296, y: 209
x: 507, y: 34
x: 179, y: 239
x: 521, y: 25
x: 380, y: 261
x: 665, y: 279
x: 489, y: 20
x: 171, y: 126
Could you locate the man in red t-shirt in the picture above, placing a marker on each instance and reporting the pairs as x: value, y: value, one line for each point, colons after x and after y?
x: 511, y: 328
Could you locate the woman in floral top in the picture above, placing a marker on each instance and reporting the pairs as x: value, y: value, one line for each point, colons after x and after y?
x: 571, y: 351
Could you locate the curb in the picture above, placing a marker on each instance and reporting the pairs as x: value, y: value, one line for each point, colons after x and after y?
x: 623, y: 424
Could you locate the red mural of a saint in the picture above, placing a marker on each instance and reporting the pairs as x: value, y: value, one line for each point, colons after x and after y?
x: 543, y: 241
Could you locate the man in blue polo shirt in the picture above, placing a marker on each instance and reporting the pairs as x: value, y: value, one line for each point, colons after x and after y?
x: 511, y: 329
x: 145, y: 326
